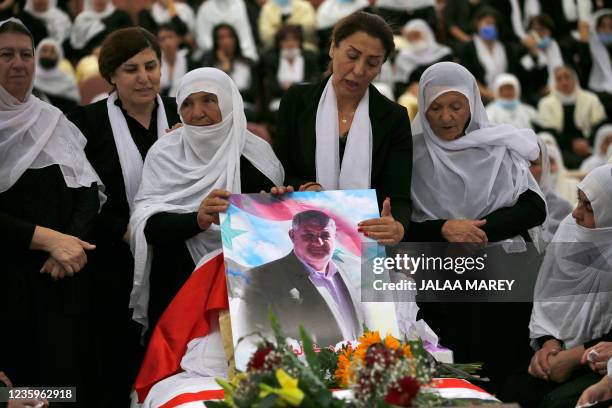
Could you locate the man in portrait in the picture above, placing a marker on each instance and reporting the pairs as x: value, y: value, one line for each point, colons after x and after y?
x: 305, y: 287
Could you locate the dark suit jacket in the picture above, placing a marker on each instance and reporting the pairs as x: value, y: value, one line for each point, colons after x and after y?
x: 391, y: 152
x: 284, y: 287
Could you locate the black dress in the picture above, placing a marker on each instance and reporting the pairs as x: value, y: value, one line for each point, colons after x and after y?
x: 118, y: 342
x: 494, y: 333
x: 45, y: 337
x: 167, y: 232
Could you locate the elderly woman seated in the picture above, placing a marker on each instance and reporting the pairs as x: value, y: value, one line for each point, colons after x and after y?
x: 572, y: 310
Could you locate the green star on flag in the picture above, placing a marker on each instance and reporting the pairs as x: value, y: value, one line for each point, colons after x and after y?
x: 228, y: 233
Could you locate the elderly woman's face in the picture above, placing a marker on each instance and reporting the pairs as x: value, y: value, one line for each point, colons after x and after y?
x: 356, y: 61
x: 448, y: 115
x: 201, y: 109
x: 564, y: 81
x: 583, y: 213
x: 16, y: 64
x: 138, y: 79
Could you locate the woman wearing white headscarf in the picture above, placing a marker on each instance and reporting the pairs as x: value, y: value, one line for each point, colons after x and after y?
x: 600, y: 156
x: 98, y: 18
x: 330, y: 11
x: 56, y: 21
x: 162, y: 12
x: 558, y: 208
x: 507, y: 107
x: 58, y: 87
x: 471, y: 183
x: 49, y: 199
x: 186, y: 178
x: 572, y: 301
x: 421, y: 51
x: 598, y: 59
x: 572, y: 113
x: 214, y: 12
x: 560, y: 181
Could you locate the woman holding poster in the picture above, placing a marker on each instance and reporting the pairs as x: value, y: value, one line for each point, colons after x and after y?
x: 342, y: 134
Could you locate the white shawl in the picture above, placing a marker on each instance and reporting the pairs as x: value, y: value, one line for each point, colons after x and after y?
x: 405, y: 5
x: 331, y: 11
x: 409, y: 59
x: 355, y: 172
x: 474, y: 175
x: 129, y: 156
x: 522, y: 116
x: 34, y: 135
x: 600, y: 79
x: 494, y: 62
x: 185, y: 13
x: 599, y: 157
x: 182, y: 168
x: 573, y: 293
x: 180, y: 69
x: 54, y: 81
x: 88, y: 24
x: 57, y: 22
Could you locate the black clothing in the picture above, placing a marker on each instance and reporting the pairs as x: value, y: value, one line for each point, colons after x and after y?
x: 397, y: 19
x: 391, y: 145
x: 46, y: 336
x: 118, y: 19
x: 118, y: 342
x: 271, y: 62
x: 167, y: 232
x: 66, y: 105
x: 36, y: 26
x: 459, y: 13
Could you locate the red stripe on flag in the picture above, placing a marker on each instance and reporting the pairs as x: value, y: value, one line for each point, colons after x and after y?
x: 193, y: 397
x: 455, y: 383
x: 185, y: 319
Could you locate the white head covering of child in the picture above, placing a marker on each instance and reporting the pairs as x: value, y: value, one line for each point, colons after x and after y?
x: 575, y: 278
x: 472, y: 176
x: 34, y: 135
x: 54, y: 81
x: 184, y: 166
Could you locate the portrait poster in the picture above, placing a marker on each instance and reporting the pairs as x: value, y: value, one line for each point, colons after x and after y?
x: 299, y: 255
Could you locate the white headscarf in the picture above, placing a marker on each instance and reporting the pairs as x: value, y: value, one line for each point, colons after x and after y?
x: 560, y: 182
x: 476, y: 174
x: 234, y: 13
x: 600, y: 79
x: 558, y: 208
x: 519, y: 115
x: 356, y: 169
x: 161, y: 15
x: 34, y: 135
x: 54, y: 81
x: 331, y: 11
x: 88, y: 24
x: 410, y: 58
x: 182, y: 168
x: 494, y: 62
x: 573, y: 293
x: 57, y: 22
x: 598, y: 158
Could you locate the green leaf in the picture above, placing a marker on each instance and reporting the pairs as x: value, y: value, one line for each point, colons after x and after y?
x: 216, y: 404
x: 311, y: 356
x: 268, y: 402
x: 276, y: 327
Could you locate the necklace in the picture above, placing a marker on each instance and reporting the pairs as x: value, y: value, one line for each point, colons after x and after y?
x: 344, y: 119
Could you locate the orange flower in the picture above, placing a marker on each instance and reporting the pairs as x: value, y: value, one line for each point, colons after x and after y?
x: 343, y: 372
x: 391, y: 342
x: 368, y: 339
x: 407, y: 351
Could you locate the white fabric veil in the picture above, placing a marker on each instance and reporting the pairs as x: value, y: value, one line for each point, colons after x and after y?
x: 183, y: 167
x: 54, y: 81
x: 600, y: 79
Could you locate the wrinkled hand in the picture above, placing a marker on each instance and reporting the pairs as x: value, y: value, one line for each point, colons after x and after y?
x: 563, y: 364
x: 581, y: 147
x: 53, y: 268
x: 464, y: 231
x: 176, y: 126
x: 599, y: 360
x: 67, y: 250
x: 539, y: 366
x: 386, y: 230
x: 211, y: 206
x: 28, y: 403
x: 311, y: 186
x: 280, y: 190
x: 601, y: 391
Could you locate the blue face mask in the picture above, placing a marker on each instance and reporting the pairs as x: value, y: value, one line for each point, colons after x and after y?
x: 605, y: 38
x: 544, y: 43
x: 282, y: 3
x: 488, y: 33
x: 345, y: 1
x: 508, y: 104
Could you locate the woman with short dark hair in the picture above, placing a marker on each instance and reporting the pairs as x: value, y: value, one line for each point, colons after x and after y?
x: 342, y: 133
x: 120, y: 130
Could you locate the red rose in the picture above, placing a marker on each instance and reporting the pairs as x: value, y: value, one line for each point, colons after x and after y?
x: 403, y: 392
x: 258, y: 359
